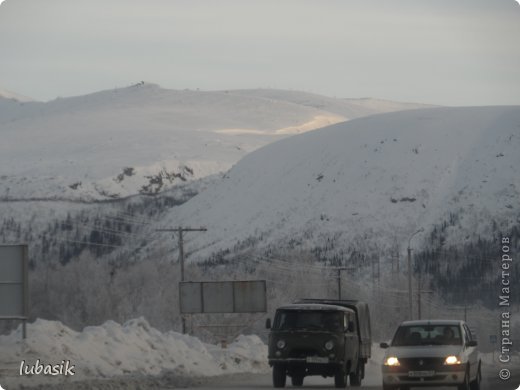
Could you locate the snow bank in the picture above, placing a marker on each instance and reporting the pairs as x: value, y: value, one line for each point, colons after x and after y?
x: 373, y: 375
x: 134, y: 348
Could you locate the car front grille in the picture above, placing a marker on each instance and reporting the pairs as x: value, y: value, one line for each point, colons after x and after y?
x: 422, y: 364
x: 425, y: 379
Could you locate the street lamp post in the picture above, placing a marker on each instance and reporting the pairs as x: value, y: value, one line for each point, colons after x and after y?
x: 409, y: 250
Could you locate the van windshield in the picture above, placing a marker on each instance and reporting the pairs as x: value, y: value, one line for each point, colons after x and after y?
x: 309, y: 320
x: 427, y: 335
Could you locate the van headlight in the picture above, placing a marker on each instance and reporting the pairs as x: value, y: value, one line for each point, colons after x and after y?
x: 280, y: 344
x: 329, y: 345
x: 392, y: 361
x: 451, y: 360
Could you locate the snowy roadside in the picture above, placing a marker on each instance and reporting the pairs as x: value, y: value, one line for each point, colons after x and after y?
x: 112, y: 354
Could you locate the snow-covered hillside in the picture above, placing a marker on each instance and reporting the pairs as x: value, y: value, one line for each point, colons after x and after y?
x: 367, y: 184
x: 349, y: 108
x: 351, y: 194
x: 143, y: 139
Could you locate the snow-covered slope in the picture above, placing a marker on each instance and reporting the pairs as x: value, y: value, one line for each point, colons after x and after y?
x: 144, y: 138
x: 349, y: 108
x: 367, y: 183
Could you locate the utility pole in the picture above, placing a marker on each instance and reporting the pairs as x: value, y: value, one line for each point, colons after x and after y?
x: 419, y: 292
x: 409, y: 250
x: 419, y: 296
x: 373, y: 274
x: 339, y: 269
x: 180, y: 230
x: 378, y: 270
x: 410, y: 313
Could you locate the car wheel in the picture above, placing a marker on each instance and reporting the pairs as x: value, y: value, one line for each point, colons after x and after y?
x: 340, y: 378
x: 355, y: 378
x: 475, y: 384
x: 465, y: 384
x: 297, y: 380
x: 389, y: 387
x: 279, y: 376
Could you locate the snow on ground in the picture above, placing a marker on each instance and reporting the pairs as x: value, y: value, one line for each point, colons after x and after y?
x: 134, y: 348
x: 373, y: 376
x: 136, y: 351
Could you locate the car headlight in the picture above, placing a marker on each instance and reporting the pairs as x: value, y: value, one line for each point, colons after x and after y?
x: 280, y: 344
x: 329, y: 345
x: 452, y: 359
x: 392, y: 361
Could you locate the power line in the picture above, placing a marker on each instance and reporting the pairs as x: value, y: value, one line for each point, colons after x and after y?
x: 102, y: 230
x: 180, y: 230
x: 88, y: 243
x: 125, y: 220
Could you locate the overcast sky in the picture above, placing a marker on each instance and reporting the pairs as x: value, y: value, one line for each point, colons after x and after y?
x: 446, y: 52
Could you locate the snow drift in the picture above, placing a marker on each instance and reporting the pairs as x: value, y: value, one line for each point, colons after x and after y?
x: 134, y: 348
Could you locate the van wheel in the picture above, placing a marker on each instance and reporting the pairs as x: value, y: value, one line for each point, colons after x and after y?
x: 279, y: 376
x: 297, y: 380
x: 355, y: 377
x: 340, y: 378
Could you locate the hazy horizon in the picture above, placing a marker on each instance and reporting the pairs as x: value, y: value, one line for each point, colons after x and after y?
x: 445, y: 53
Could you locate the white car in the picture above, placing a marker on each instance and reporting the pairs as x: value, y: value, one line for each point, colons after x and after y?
x: 432, y: 353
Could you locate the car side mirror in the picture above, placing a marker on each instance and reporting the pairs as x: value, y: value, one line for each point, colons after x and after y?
x: 472, y: 343
x: 350, y: 326
x: 268, y: 323
x: 384, y: 345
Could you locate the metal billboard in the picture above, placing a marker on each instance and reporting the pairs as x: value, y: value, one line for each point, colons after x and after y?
x: 223, y: 297
x: 14, y: 294
x: 13, y: 282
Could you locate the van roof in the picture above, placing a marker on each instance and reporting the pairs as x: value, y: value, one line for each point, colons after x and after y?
x: 314, y: 306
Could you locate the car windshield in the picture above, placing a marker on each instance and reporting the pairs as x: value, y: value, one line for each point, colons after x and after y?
x: 308, y: 320
x: 427, y: 335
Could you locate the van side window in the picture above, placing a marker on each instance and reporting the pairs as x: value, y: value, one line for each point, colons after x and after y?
x: 350, y: 318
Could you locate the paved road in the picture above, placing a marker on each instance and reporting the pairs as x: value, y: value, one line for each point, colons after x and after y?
x: 253, y: 382
x: 246, y: 382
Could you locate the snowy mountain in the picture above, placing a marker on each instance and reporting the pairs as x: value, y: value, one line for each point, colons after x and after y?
x: 144, y: 139
x: 5, y: 94
x: 366, y: 185
x: 349, y: 108
x: 351, y: 194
